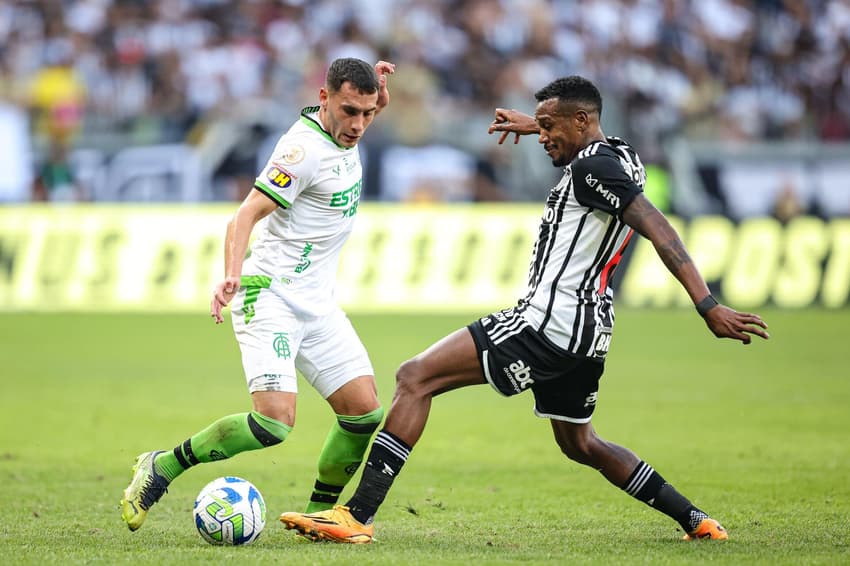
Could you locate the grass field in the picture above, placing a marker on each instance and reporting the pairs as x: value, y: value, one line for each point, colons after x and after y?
x: 758, y: 436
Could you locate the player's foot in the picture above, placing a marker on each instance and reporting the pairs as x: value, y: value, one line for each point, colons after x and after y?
x: 708, y: 528
x: 144, y: 490
x: 336, y: 525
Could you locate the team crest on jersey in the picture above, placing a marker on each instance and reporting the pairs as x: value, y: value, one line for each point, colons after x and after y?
x: 291, y: 154
x: 279, y: 177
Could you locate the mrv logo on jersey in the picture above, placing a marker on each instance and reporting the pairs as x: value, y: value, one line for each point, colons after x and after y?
x: 613, y: 199
x: 519, y: 375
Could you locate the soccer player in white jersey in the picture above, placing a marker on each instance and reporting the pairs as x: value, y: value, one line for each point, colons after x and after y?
x: 554, y: 341
x: 284, y: 313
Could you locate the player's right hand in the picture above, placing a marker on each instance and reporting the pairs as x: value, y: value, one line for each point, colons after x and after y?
x: 223, y: 293
x: 512, y: 122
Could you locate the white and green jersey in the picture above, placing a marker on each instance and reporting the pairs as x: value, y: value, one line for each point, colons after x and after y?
x: 317, y: 183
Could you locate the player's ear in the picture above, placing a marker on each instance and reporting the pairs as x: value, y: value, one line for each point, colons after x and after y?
x: 581, y: 119
x: 323, y: 98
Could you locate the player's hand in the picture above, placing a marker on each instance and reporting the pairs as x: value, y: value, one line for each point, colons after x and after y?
x: 512, y: 122
x: 727, y: 323
x: 223, y: 293
x: 382, y: 69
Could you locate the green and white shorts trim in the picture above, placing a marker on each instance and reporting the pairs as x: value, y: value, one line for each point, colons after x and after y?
x: 275, y: 341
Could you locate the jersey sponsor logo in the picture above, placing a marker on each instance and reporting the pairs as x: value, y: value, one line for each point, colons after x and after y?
x: 278, y: 177
x: 637, y: 174
x: 305, y: 260
x: 284, y: 170
x: 291, y: 154
x: 613, y: 199
x: 591, y: 182
x: 603, y: 342
x: 519, y: 374
x: 350, y: 198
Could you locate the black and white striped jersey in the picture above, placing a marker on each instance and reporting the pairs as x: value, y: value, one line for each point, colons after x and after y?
x: 581, y: 239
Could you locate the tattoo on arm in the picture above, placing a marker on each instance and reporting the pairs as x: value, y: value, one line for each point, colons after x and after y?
x: 651, y: 224
x: 673, y: 254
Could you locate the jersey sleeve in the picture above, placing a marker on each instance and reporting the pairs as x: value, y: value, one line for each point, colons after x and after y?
x: 601, y: 182
x: 290, y: 169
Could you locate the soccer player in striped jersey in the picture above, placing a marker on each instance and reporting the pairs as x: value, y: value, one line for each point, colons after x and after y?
x: 284, y: 313
x: 555, y: 340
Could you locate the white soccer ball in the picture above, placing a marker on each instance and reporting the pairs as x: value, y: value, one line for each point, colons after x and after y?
x: 230, y: 511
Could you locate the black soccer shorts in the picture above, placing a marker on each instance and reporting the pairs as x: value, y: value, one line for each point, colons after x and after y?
x: 565, y: 387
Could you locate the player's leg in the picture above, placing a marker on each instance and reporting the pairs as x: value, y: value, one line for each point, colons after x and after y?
x: 223, y: 439
x: 451, y: 363
x: 358, y: 415
x: 269, y: 336
x: 268, y: 424
x: 569, y: 405
x: 332, y: 359
x: 270, y: 369
x: 624, y: 469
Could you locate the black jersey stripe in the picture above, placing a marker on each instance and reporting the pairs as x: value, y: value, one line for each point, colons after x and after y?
x: 583, y: 335
x: 610, y: 252
x: 551, y: 233
x: 553, y: 290
x: 548, y: 237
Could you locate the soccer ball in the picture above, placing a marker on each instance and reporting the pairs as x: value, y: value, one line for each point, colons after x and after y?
x: 230, y: 511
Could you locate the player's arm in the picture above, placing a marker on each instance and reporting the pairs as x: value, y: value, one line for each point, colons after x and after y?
x: 513, y: 122
x: 255, y: 207
x: 382, y: 69
x: 724, y: 322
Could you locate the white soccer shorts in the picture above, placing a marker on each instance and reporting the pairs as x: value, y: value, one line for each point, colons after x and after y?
x: 275, y: 341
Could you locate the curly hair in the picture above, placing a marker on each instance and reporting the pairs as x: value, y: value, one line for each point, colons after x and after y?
x: 572, y: 89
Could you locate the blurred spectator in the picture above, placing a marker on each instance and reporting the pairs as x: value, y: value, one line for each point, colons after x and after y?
x: 110, y: 73
x: 57, y: 96
x: 55, y: 182
x: 15, y: 157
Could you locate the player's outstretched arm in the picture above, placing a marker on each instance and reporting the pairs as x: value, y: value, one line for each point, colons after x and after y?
x: 724, y: 322
x: 512, y: 122
x: 382, y: 69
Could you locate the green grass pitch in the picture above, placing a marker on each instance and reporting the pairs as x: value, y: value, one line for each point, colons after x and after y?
x: 758, y: 436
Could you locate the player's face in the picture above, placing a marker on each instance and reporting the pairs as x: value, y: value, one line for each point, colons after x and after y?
x: 561, y: 130
x: 348, y: 112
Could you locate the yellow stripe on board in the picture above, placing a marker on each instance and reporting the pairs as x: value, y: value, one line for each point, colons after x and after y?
x: 400, y: 258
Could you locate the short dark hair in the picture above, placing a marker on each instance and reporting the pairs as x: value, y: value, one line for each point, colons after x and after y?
x: 572, y: 89
x: 356, y: 71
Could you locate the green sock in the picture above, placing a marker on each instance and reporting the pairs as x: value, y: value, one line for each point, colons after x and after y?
x: 341, y: 455
x: 226, y: 437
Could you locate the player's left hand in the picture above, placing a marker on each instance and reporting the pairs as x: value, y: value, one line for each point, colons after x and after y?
x: 382, y: 69
x: 728, y: 323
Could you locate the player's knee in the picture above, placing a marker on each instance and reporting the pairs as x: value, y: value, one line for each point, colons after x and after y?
x: 362, y: 424
x: 580, y: 449
x: 410, y: 377
x: 267, y: 430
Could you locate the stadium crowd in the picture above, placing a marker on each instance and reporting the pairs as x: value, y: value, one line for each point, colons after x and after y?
x: 107, y: 73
